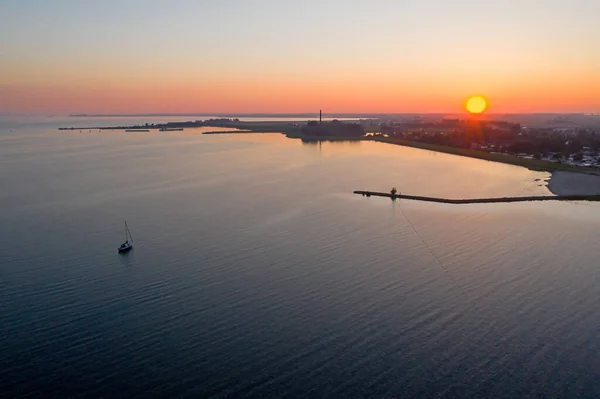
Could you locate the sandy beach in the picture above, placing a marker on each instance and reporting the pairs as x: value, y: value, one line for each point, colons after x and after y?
x: 568, y: 183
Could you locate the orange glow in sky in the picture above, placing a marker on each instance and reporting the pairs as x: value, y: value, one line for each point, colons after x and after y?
x: 60, y: 58
x: 88, y: 93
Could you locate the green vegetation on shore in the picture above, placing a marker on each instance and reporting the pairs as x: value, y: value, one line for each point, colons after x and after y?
x: 533, y: 164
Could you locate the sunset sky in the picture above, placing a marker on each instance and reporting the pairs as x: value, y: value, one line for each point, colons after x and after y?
x: 151, y: 56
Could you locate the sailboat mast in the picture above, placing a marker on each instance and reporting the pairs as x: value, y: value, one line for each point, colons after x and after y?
x: 127, y: 232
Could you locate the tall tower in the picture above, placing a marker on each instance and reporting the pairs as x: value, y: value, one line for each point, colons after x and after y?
x: 320, y: 116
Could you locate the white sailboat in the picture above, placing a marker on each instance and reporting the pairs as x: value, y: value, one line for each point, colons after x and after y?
x: 128, y: 244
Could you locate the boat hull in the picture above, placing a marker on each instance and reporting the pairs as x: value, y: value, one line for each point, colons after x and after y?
x: 124, y: 249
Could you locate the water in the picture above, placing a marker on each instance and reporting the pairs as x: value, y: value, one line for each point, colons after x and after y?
x: 257, y: 273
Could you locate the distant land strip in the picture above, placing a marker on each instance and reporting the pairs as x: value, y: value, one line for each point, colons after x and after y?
x: 236, y: 126
x: 481, y: 200
x: 532, y: 164
x: 291, y: 130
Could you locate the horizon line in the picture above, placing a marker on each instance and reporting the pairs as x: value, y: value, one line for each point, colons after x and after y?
x: 289, y: 114
x: 316, y: 114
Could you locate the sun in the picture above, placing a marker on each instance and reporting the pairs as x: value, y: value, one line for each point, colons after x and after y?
x: 476, y: 105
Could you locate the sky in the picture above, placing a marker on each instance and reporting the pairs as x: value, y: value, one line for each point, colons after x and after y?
x: 280, y: 56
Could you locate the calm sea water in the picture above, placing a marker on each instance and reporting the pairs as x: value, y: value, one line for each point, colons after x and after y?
x: 257, y: 273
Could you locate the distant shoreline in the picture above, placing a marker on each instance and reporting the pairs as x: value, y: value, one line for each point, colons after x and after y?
x: 291, y: 130
x: 301, y: 116
x: 565, y: 180
x: 532, y: 164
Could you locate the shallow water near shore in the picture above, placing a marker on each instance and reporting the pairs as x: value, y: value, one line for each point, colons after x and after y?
x: 257, y: 273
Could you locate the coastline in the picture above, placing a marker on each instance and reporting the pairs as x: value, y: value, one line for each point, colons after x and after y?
x: 564, y: 180
x: 532, y: 164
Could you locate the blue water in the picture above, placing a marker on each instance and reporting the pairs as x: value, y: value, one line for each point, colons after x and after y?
x: 257, y: 273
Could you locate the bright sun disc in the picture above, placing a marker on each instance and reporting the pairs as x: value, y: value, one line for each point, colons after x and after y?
x: 476, y: 105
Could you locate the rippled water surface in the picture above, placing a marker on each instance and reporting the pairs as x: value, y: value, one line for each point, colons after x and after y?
x: 257, y: 273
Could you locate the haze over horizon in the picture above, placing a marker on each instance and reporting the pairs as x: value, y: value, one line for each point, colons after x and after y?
x: 260, y: 56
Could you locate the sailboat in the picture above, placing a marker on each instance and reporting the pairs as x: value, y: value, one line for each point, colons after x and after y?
x: 128, y: 244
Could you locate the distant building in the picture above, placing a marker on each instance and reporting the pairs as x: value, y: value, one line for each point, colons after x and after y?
x: 334, y: 128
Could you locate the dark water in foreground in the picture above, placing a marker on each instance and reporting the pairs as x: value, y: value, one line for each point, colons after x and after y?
x: 256, y: 272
